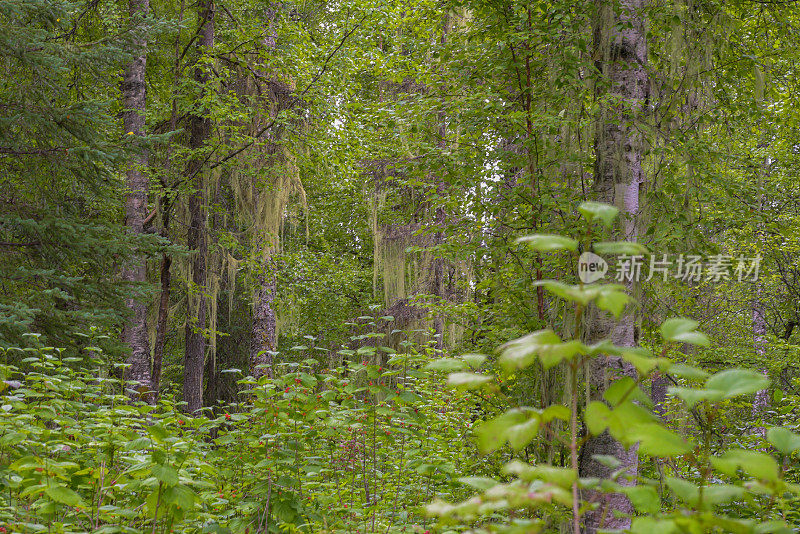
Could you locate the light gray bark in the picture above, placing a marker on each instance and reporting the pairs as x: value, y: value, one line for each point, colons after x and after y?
x: 264, y: 336
x: 134, y: 333
x: 620, y: 55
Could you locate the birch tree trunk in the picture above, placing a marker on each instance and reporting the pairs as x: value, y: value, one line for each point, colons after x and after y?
x: 620, y: 56
x: 199, y: 132
x: 134, y: 333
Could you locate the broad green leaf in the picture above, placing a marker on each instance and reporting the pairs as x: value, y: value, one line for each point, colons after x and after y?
x: 582, y: 295
x: 693, y: 396
x: 655, y: 440
x: 734, y: 382
x: 649, y: 525
x: 165, y: 474
x: 687, y: 371
x: 773, y: 527
x: 552, y: 355
x: 63, y: 495
x: 158, y: 432
x: 491, y: 434
x: 560, y: 476
x: 181, y: 496
x: 644, y: 498
x: 682, y: 330
x: 479, y: 483
x: 625, y: 389
x: 685, y: 491
x: 520, y: 435
x: 598, y: 210
x: 641, y: 359
x: 754, y: 463
x: 629, y: 248
x: 612, y: 301
x: 522, y: 352
x: 468, y: 380
x: 474, y: 360
x: 556, y: 411
x: 722, y: 493
x: 596, y: 417
x: 548, y: 243
x: 783, y: 439
x: 445, y: 364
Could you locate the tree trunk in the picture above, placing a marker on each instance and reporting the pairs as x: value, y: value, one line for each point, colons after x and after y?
x: 199, y: 131
x: 761, y: 401
x: 620, y: 55
x: 264, y: 338
x: 134, y: 333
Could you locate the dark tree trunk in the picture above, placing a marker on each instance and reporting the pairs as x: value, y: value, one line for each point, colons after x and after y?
x: 161, y: 324
x: 199, y: 131
x: 134, y: 333
x: 620, y: 52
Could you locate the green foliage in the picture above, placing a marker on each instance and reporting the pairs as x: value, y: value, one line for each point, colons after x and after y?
x: 698, y: 494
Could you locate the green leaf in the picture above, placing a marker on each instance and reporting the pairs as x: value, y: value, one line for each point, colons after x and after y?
x: 520, y: 435
x: 474, y: 360
x: 445, y: 364
x: 612, y: 301
x: 555, y: 411
x: 655, y: 440
x: 165, y: 474
x: 491, y: 434
x: 560, y: 476
x: 722, y: 493
x: 548, y: 243
x: 629, y: 248
x: 641, y: 359
x: 181, y: 496
x: 479, y: 483
x: 552, y: 355
x: 689, y: 372
x: 63, y: 495
x: 685, y: 491
x: 582, y: 295
x: 598, y: 210
x: 158, y: 432
x: 783, y: 439
x: 521, y: 353
x: 756, y: 464
x: 735, y: 382
x: 682, y: 330
x: 596, y: 417
x: 644, y: 498
x: 468, y: 380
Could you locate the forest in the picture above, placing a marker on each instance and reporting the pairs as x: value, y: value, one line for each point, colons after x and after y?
x: 399, y: 266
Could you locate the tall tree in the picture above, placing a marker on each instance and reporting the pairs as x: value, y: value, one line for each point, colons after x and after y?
x: 620, y: 53
x: 199, y: 133
x: 134, y: 91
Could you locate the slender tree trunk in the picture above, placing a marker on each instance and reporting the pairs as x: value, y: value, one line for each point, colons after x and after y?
x: 134, y: 91
x: 759, y: 323
x: 440, y: 214
x: 264, y: 335
x: 199, y: 131
x: 166, y: 215
x: 620, y: 54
